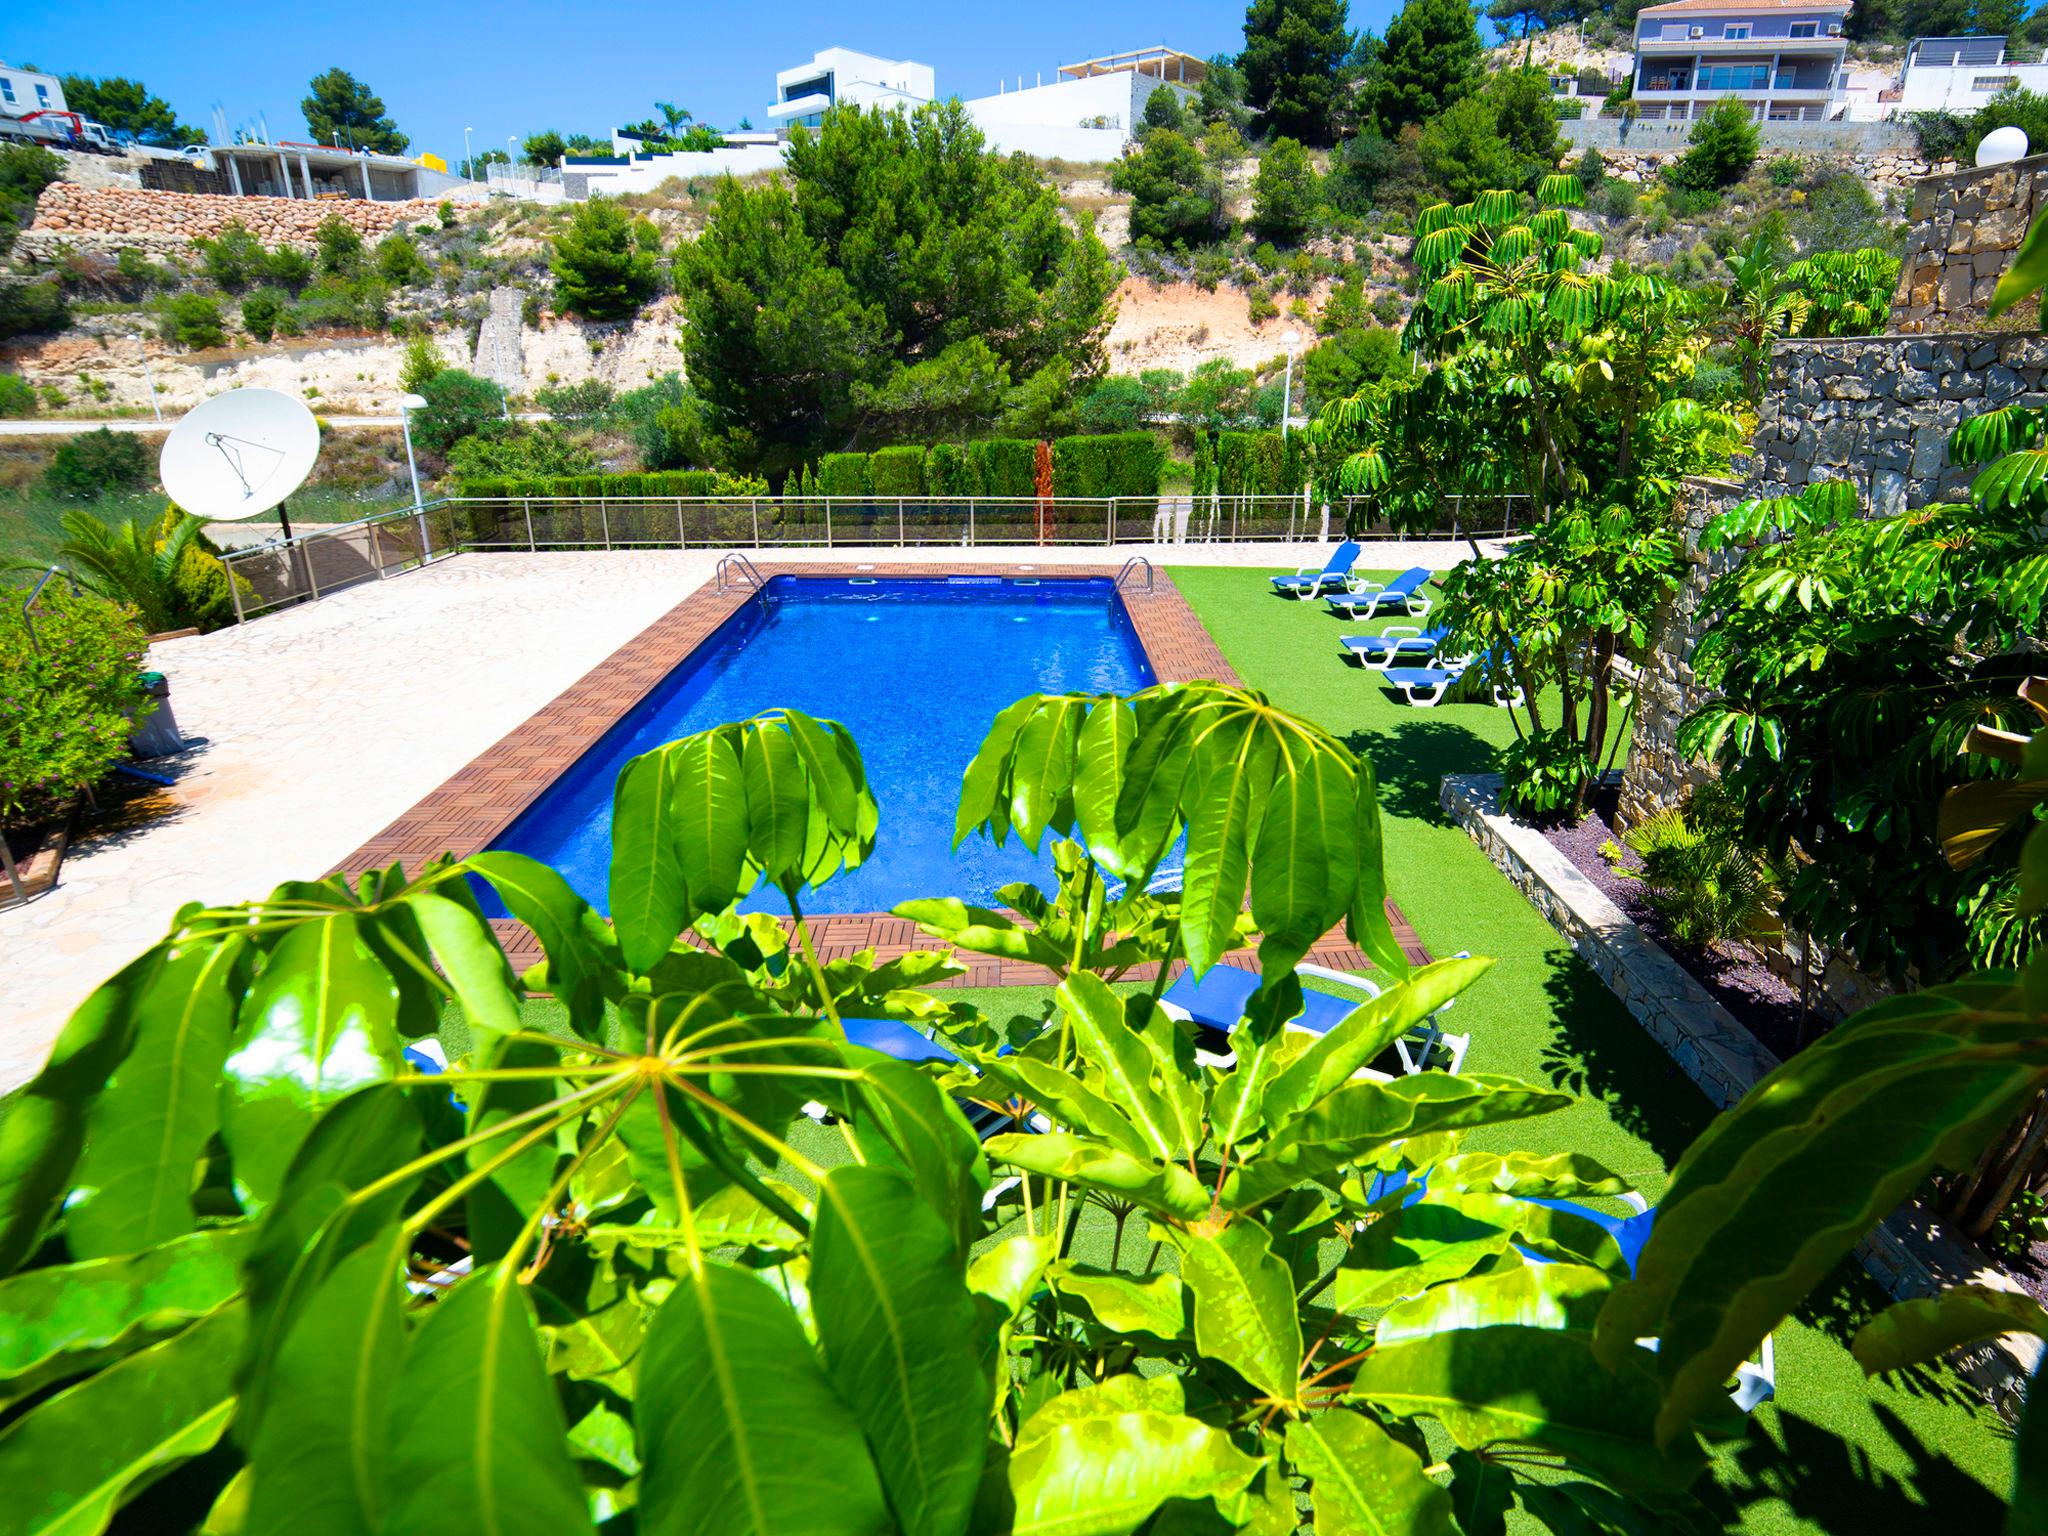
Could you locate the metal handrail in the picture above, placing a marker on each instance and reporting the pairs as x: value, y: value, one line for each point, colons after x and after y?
x: 28, y: 604
x: 1134, y: 561
x: 739, y: 563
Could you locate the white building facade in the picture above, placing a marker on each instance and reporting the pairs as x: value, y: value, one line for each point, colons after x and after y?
x: 1091, y: 112
x: 1782, y: 59
x: 839, y: 77
x: 23, y: 91
x: 1960, y: 74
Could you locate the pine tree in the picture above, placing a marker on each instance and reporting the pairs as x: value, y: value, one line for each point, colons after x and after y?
x: 601, y: 272
x: 1428, y: 63
x: 342, y: 109
x: 1293, y: 50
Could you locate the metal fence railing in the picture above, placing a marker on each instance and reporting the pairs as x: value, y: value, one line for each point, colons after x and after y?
x: 326, y: 559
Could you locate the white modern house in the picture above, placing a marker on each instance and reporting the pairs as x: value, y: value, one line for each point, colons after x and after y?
x: 840, y: 77
x: 1780, y: 58
x: 1960, y: 74
x: 23, y: 91
x: 1091, y: 112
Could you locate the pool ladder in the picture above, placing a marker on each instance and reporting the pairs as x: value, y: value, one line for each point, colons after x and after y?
x: 1130, y: 569
x: 736, y: 570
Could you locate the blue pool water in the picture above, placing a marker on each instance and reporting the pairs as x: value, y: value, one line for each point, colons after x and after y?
x: 916, y: 668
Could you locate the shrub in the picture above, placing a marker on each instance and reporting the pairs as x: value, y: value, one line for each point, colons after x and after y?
x: 897, y: 471
x: 1591, y: 169
x: 1174, y: 193
x: 261, y: 309
x: 400, y: 261
x: 599, y: 271
x: 70, y: 703
x: 1002, y: 466
x: 526, y: 449
x: 945, y: 470
x: 1163, y: 110
x: 1541, y: 774
x: 1618, y: 199
x: 1724, y: 145
x: 1285, y: 193
x: 289, y: 267
x: 1785, y: 170
x: 1115, y: 404
x: 92, y: 464
x: 339, y: 244
x: 844, y: 474
x: 191, y: 320
x: 423, y: 364
x: 31, y: 308
x: 576, y: 402
x: 234, y: 258
x: 17, y: 395
x: 459, y: 405
x: 1113, y: 464
x: 1387, y: 309
x: 1701, y: 878
x: 1251, y: 464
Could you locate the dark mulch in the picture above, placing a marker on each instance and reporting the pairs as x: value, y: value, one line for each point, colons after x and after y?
x: 1761, y: 1002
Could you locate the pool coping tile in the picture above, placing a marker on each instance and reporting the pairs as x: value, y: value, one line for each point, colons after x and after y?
x: 485, y: 796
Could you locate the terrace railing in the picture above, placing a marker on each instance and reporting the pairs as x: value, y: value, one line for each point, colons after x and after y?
x: 321, y: 560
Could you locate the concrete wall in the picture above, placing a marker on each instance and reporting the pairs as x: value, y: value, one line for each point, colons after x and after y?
x: 1941, y: 88
x: 1965, y: 228
x: 1809, y: 138
x: 644, y: 175
x: 1058, y: 121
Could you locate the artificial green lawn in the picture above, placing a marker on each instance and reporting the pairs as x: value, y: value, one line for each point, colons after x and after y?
x: 1833, y: 1452
x: 1846, y: 1455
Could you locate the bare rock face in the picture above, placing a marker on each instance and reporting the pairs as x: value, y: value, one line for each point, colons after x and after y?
x: 115, y: 217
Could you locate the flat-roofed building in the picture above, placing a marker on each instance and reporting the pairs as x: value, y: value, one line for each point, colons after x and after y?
x: 1780, y: 58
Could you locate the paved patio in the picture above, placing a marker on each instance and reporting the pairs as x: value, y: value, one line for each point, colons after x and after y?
x: 321, y: 725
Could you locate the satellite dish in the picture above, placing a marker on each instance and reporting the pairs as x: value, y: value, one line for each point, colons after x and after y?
x: 2001, y: 145
x: 239, y: 454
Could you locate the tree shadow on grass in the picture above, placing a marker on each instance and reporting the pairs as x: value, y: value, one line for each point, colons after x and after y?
x: 1849, y: 1298
x: 1598, y: 1051
x: 1412, y: 758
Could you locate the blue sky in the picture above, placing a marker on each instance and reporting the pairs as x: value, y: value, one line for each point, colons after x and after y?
x: 516, y: 66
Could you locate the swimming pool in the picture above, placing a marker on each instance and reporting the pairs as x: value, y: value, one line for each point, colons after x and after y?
x: 915, y: 667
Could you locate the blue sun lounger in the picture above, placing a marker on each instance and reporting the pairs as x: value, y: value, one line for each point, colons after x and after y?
x: 1364, y: 599
x: 1382, y: 650
x: 892, y: 1037
x: 1309, y: 582
x: 1426, y: 687
x: 1217, y: 1002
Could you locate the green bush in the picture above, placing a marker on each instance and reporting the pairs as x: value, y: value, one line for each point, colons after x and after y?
x: 1001, y: 466
x: 1115, y: 404
x: 31, y: 308
x: 1174, y: 193
x: 191, y: 320
x: 339, y: 244
x: 1110, y: 464
x: 1253, y: 464
x: 289, y: 267
x: 400, y: 261
x: 580, y: 401
x: 945, y: 470
x: 600, y: 272
x: 1724, y: 145
x: 423, y: 363
x: 17, y: 395
x: 234, y: 258
x: 93, y: 464
x: 897, y: 471
x: 459, y: 404
x: 1286, y: 195
x: 261, y: 311
x: 844, y: 474
x: 70, y: 702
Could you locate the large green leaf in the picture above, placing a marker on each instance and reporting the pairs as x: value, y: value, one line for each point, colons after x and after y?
x: 1531, y: 1386
x: 70, y: 1318
x: 1099, y: 1460
x: 908, y: 1122
x: 1222, y: 811
x: 468, y: 954
x: 1369, y: 1029
x: 982, y: 931
x: 499, y: 1206
x: 1525, y: 1295
x: 1364, y: 1481
x: 76, y: 1458
x: 43, y: 1130
x: 1363, y: 1116
x: 649, y: 901
x: 1154, y: 1304
x: 740, y: 1431
x: 1244, y: 1307
x: 159, y: 1109
x: 1560, y: 1176
x: 982, y: 786
x: 571, y: 934
x: 1066, y: 1098
x: 778, y: 804
x: 319, y: 1022
x: 1406, y: 1250
x: 1303, y: 859
x: 711, y: 831
x: 1779, y: 1188
x: 1913, y: 1331
x: 1123, y: 1064
x: 321, y: 1453
x: 1042, y: 768
x: 478, y: 1441
x: 1100, y: 754
x: 1165, y: 1187
x: 901, y: 1339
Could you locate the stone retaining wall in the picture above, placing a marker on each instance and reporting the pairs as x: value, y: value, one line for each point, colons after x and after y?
x: 1884, y: 170
x: 1965, y: 227
x: 1878, y: 410
x: 154, y: 222
x: 1910, y: 1254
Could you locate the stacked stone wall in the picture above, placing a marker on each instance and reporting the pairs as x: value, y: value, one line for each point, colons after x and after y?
x: 1883, y: 170
x: 156, y: 222
x: 1965, y: 228
x: 1877, y: 411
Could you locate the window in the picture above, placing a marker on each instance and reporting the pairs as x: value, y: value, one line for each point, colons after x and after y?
x: 1788, y: 80
x: 1993, y: 84
x: 1735, y: 77
x: 1736, y: 32
x: 6, y: 90
x: 42, y: 94
x: 1805, y: 29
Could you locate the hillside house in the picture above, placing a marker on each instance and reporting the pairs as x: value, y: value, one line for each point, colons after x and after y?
x: 1780, y: 58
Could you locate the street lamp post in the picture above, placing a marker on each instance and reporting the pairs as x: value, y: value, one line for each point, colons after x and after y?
x: 511, y: 149
x: 149, y: 377
x: 468, y: 155
x: 407, y: 404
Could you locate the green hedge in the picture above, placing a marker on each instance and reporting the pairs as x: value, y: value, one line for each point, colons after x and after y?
x: 844, y: 474
x: 1107, y: 464
x: 1259, y: 464
x: 666, y: 482
x: 897, y: 471
x: 1001, y: 466
x: 945, y: 471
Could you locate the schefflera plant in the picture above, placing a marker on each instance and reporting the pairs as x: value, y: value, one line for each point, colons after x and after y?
x: 263, y: 1274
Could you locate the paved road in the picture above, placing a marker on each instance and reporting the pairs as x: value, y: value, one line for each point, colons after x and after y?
x: 62, y: 426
